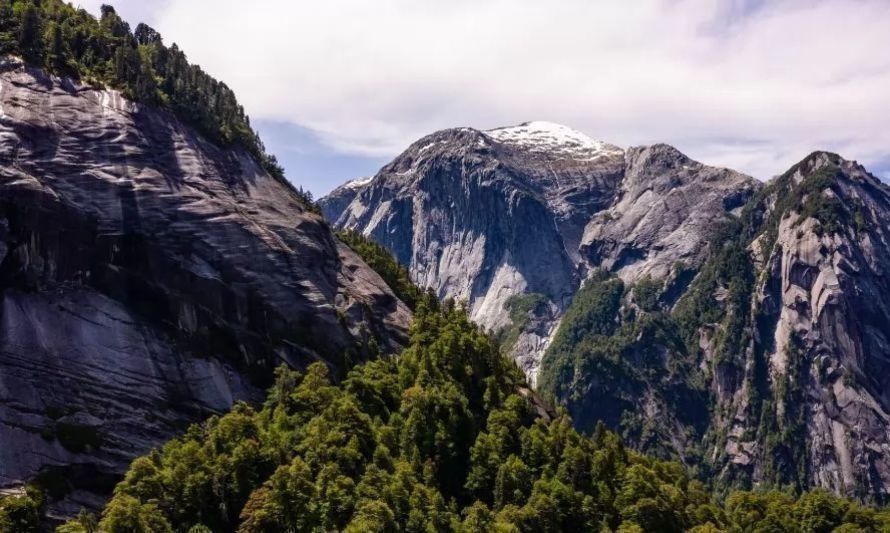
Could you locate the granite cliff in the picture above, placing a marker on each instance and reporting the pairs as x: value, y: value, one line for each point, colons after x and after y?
x: 149, y: 278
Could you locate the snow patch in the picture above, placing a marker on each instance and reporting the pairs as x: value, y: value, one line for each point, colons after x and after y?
x: 358, y: 182
x: 540, y: 136
x: 426, y: 147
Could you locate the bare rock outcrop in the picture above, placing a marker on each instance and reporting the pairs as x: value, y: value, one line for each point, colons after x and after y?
x: 762, y: 355
x: 149, y: 278
x: 667, y: 208
x: 823, y: 305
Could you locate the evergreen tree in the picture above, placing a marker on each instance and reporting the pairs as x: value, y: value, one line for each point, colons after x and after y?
x: 55, y: 46
x: 30, y: 36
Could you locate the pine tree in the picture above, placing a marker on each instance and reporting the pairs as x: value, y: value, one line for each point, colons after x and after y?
x: 30, y: 35
x: 146, y: 35
x: 55, y: 46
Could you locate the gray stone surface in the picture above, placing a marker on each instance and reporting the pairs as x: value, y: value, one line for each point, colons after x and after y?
x: 667, y: 206
x: 484, y: 216
x: 823, y: 296
x: 147, y: 279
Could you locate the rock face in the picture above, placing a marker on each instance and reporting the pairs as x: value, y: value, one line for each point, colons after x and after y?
x: 771, y: 368
x: 666, y: 209
x: 823, y: 305
x: 147, y: 279
x: 490, y: 216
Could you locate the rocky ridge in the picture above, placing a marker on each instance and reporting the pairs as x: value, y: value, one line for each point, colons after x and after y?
x: 821, y: 303
x: 490, y: 217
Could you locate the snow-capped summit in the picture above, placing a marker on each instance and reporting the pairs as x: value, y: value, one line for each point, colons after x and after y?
x: 542, y: 136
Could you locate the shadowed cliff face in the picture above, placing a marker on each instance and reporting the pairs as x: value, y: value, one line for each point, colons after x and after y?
x: 147, y: 279
x: 493, y: 217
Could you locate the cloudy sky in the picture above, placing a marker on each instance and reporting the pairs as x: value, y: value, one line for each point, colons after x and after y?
x: 339, y: 87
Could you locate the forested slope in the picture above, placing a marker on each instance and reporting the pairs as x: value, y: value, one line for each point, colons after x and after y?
x: 445, y: 437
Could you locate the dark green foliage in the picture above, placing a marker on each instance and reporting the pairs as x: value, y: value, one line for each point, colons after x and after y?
x: 785, y: 454
x: 85, y: 522
x: 591, y: 318
x: 646, y: 294
x: 53, y: 35
x: 437, y: 440
x: 601, y: 364
x: 378, y: 258
x: 731, y: 270
x: 21, y: 513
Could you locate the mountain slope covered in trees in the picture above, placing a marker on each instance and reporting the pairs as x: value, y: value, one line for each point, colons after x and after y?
x: 445, y: 437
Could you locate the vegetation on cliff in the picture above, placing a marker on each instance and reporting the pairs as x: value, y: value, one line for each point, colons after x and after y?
x: 444, y: 438
x: 620, y: 355
x: 68, y: 41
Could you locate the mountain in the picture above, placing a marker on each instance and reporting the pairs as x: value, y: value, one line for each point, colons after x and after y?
x: 148, y: 278
x: 512, y: 220
x: 814, y: 412
x: 736, y: 326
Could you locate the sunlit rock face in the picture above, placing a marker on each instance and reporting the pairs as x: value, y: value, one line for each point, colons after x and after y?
x: 789, y: 370
x: 822, y: 302
x: 149, y: 278
x: 488, y: 217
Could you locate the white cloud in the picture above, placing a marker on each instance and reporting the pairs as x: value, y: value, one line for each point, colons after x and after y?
x: 754, y: 88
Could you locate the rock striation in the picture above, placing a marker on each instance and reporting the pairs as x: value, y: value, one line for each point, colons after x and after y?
x: 667, y: 207
x: 149, y: 278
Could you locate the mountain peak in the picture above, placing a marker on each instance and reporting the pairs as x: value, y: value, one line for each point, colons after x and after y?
x: 358, y: 183
x: 542, y: 136
x: 829, y: 168
x: 818, y: 159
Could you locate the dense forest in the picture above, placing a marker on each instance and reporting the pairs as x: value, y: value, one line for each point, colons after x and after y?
x: 67, y: 41
x: 444, y: 437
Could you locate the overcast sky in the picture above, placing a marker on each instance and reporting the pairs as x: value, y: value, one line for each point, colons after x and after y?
x: 339, y: 87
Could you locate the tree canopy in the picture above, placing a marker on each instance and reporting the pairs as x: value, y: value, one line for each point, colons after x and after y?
x: 443, y: 438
